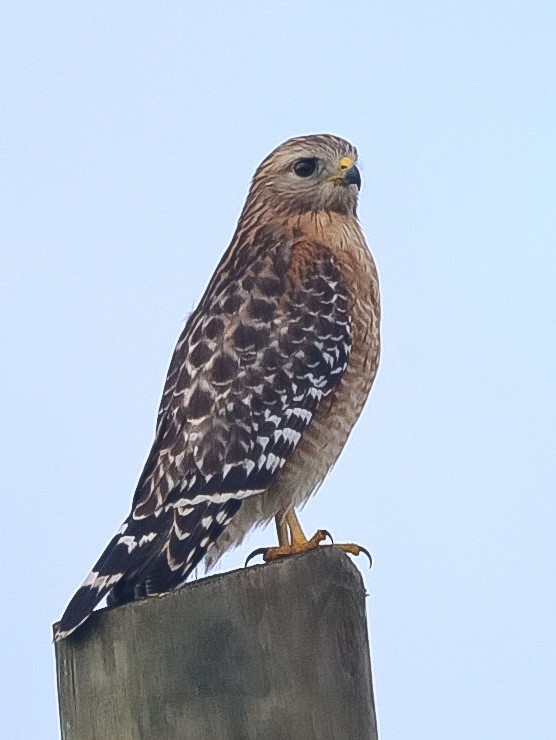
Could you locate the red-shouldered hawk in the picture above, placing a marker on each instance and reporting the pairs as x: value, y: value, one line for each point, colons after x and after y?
x: 267, y: 380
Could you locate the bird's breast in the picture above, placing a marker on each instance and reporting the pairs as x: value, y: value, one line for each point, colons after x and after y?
x: 325, y: 437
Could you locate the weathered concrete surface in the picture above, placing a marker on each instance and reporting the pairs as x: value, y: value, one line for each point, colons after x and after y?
x: 274, y: 652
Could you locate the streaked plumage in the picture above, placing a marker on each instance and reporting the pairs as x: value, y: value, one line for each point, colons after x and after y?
x: 267, y: 379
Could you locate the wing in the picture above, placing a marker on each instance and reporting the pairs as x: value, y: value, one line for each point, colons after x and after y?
x: 270, y: 339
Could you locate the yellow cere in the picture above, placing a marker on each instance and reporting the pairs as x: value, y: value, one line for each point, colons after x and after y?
x: 345, y: 163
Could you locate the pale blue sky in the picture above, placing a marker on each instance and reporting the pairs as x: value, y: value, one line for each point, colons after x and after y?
x: 129, y: 133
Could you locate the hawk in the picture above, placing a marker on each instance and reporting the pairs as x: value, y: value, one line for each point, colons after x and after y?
x: 266, y: 382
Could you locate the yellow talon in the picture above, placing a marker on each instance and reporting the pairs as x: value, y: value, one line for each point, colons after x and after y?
x: 292, y: 541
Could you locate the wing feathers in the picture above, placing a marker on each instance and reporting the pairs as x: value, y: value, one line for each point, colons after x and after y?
x: 269, y: 340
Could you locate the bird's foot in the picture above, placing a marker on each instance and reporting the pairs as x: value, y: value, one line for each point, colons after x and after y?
x: 354, y: 550
x: 283, y: 551
x: 271, y: 554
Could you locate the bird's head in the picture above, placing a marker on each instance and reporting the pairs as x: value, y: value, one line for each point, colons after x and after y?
x: 308, y: 173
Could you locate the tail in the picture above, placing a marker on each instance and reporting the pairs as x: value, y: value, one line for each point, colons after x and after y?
x: 190, y: 534
x: 148, y: 556
x: 135, y: 544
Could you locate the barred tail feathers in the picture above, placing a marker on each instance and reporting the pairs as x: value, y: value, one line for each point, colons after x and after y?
x: 148, y: 556
x: 132, y: 546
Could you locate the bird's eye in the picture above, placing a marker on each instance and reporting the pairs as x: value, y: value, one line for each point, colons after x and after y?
x: 305, y: 167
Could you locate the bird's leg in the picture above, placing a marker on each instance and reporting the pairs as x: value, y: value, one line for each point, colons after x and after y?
x: 299, y: 541
x: 292, y: 541
x: 282, y: 530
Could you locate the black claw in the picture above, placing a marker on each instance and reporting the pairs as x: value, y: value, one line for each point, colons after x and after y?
x: 368, y: 554
x: 327, y: 533
x: 259, y: 551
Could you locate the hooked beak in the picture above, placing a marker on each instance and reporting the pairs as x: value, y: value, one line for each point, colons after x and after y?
x: 352, y: 176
